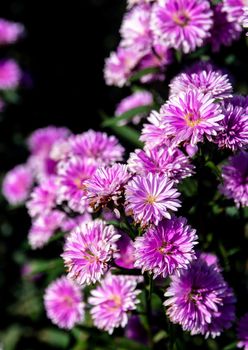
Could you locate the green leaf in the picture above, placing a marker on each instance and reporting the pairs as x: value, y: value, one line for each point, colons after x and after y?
x: 129, y: 134
x: 231, y: 346
x: 124, y: 344
x: 55, y: 337
x: 142, y: 73
x: 127, y: 115
x: 11, y: 337
x: 38, y: 266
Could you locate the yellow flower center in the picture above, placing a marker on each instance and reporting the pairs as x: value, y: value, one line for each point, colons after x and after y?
x: 151, y: 199
x: 190, y: 120
x: 181, y: 18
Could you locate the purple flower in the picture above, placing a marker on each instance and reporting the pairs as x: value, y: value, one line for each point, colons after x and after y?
x: 223, y: 31
x: 211, y: 260
x: 43, y: 227
x: 245, y: 19
x: 72, y: 176
x: 98, y: 147
x: 235, y: 179
x: 189, y: 116
x: 135, y: 330
x: 135, y: 28
x: 120, y: 65
x: 243, y: 332
x: 235, y: 9
x: 137, y: 99
x: 166, y: 248
x: 10, y: 74
x: 88, y: 250
x: 205, y: 79
x: 234, y: 126
x: 200, y: 300
x: 125, y: 254
x: 149, y: 198
x: 63, y: 303
x: 17, y: 184
x: 162, y: 160
x: 10, y: 32
x: 43, y: 198
x: 181, y: 24
x: 107, y: 184
x: 112, y: 300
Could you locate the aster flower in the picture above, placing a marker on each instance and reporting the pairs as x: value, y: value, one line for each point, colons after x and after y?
x: 43, y: 227
x: 205, y: 79
x: 162, y: 160
x: 223, y: 31
x: 107, y: 184
x: 181, y: 24
x: 125, y: 254
x: 63, y: 303
x: 10, y: 74
x: 149, y: 198
x: 166, y: 248
x: 211, y: 260
x: 234, y: 126
x: 17, y: 184
x: 10, y: 32
x: 137, y: 99
x: 112, y: 300
x: 43, y: 198
x: 135, y: 28
x: 235, y: 9
x: 88, y: 250
x: 131, y: 3
x: 243, y: 332
x: 135, y: 330
x: 200, y: 300
x: 72, y: 176
x: 97, y: 146
x: 191, y: 115
x: 120, y: 65
x: 235, y: 181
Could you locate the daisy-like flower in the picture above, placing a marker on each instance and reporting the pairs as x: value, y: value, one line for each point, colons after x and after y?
x: 181, y: 24
x: 88, y: 250
x: 131, y: 3
x: 166, y: 248
x: 97, y: 146
x: 72, y: 176
x: 107, y: 184
x: 235, y: 9
x: 205, y: 79
x: 125, y: 254
x: 63, y: 303
x: 120, y: 65
x: 243, y: 332
x: 43, y: 227
x: 10, y: 32
x: 149, y: 198
x: 17, y: 184
x: 43, y: 198
x: 112, y: 300
x: 10, y: 74
x: 223, y: 31
x: 162, y: 160
x: 235, y: 179
x: 200, y: 300
x: 135, y: 28
x: 234, y: 126
x: 191, y: 115
x: 137, y: 99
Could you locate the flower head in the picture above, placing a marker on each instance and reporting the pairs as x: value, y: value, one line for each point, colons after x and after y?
x: 162, y: 160
x: 149, y: 198
x: 112, y: 300
x: 235, y: 9
x: 10, y: 74
x: 88, y: 250
x: 17, y: 184
x: 189, y: 116
x: 63, y: 303
x: 10, y: 32
x: 97, y: 147
x: 166, y: 248
x: 200, y: 300
x: 107, y: 184
x: 181, y: 24
x: 125, y: 254
x: 235, y: 179
x: 243, y: 332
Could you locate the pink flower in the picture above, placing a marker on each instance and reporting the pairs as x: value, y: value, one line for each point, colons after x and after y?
x: 70, y: 223
x: 10, y: 74
x: 125, y: 255
x: 10, y: 32
x: 88, y: 251
x: 112, y: 300
x: 63, y: 303
x: 17, y: 184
